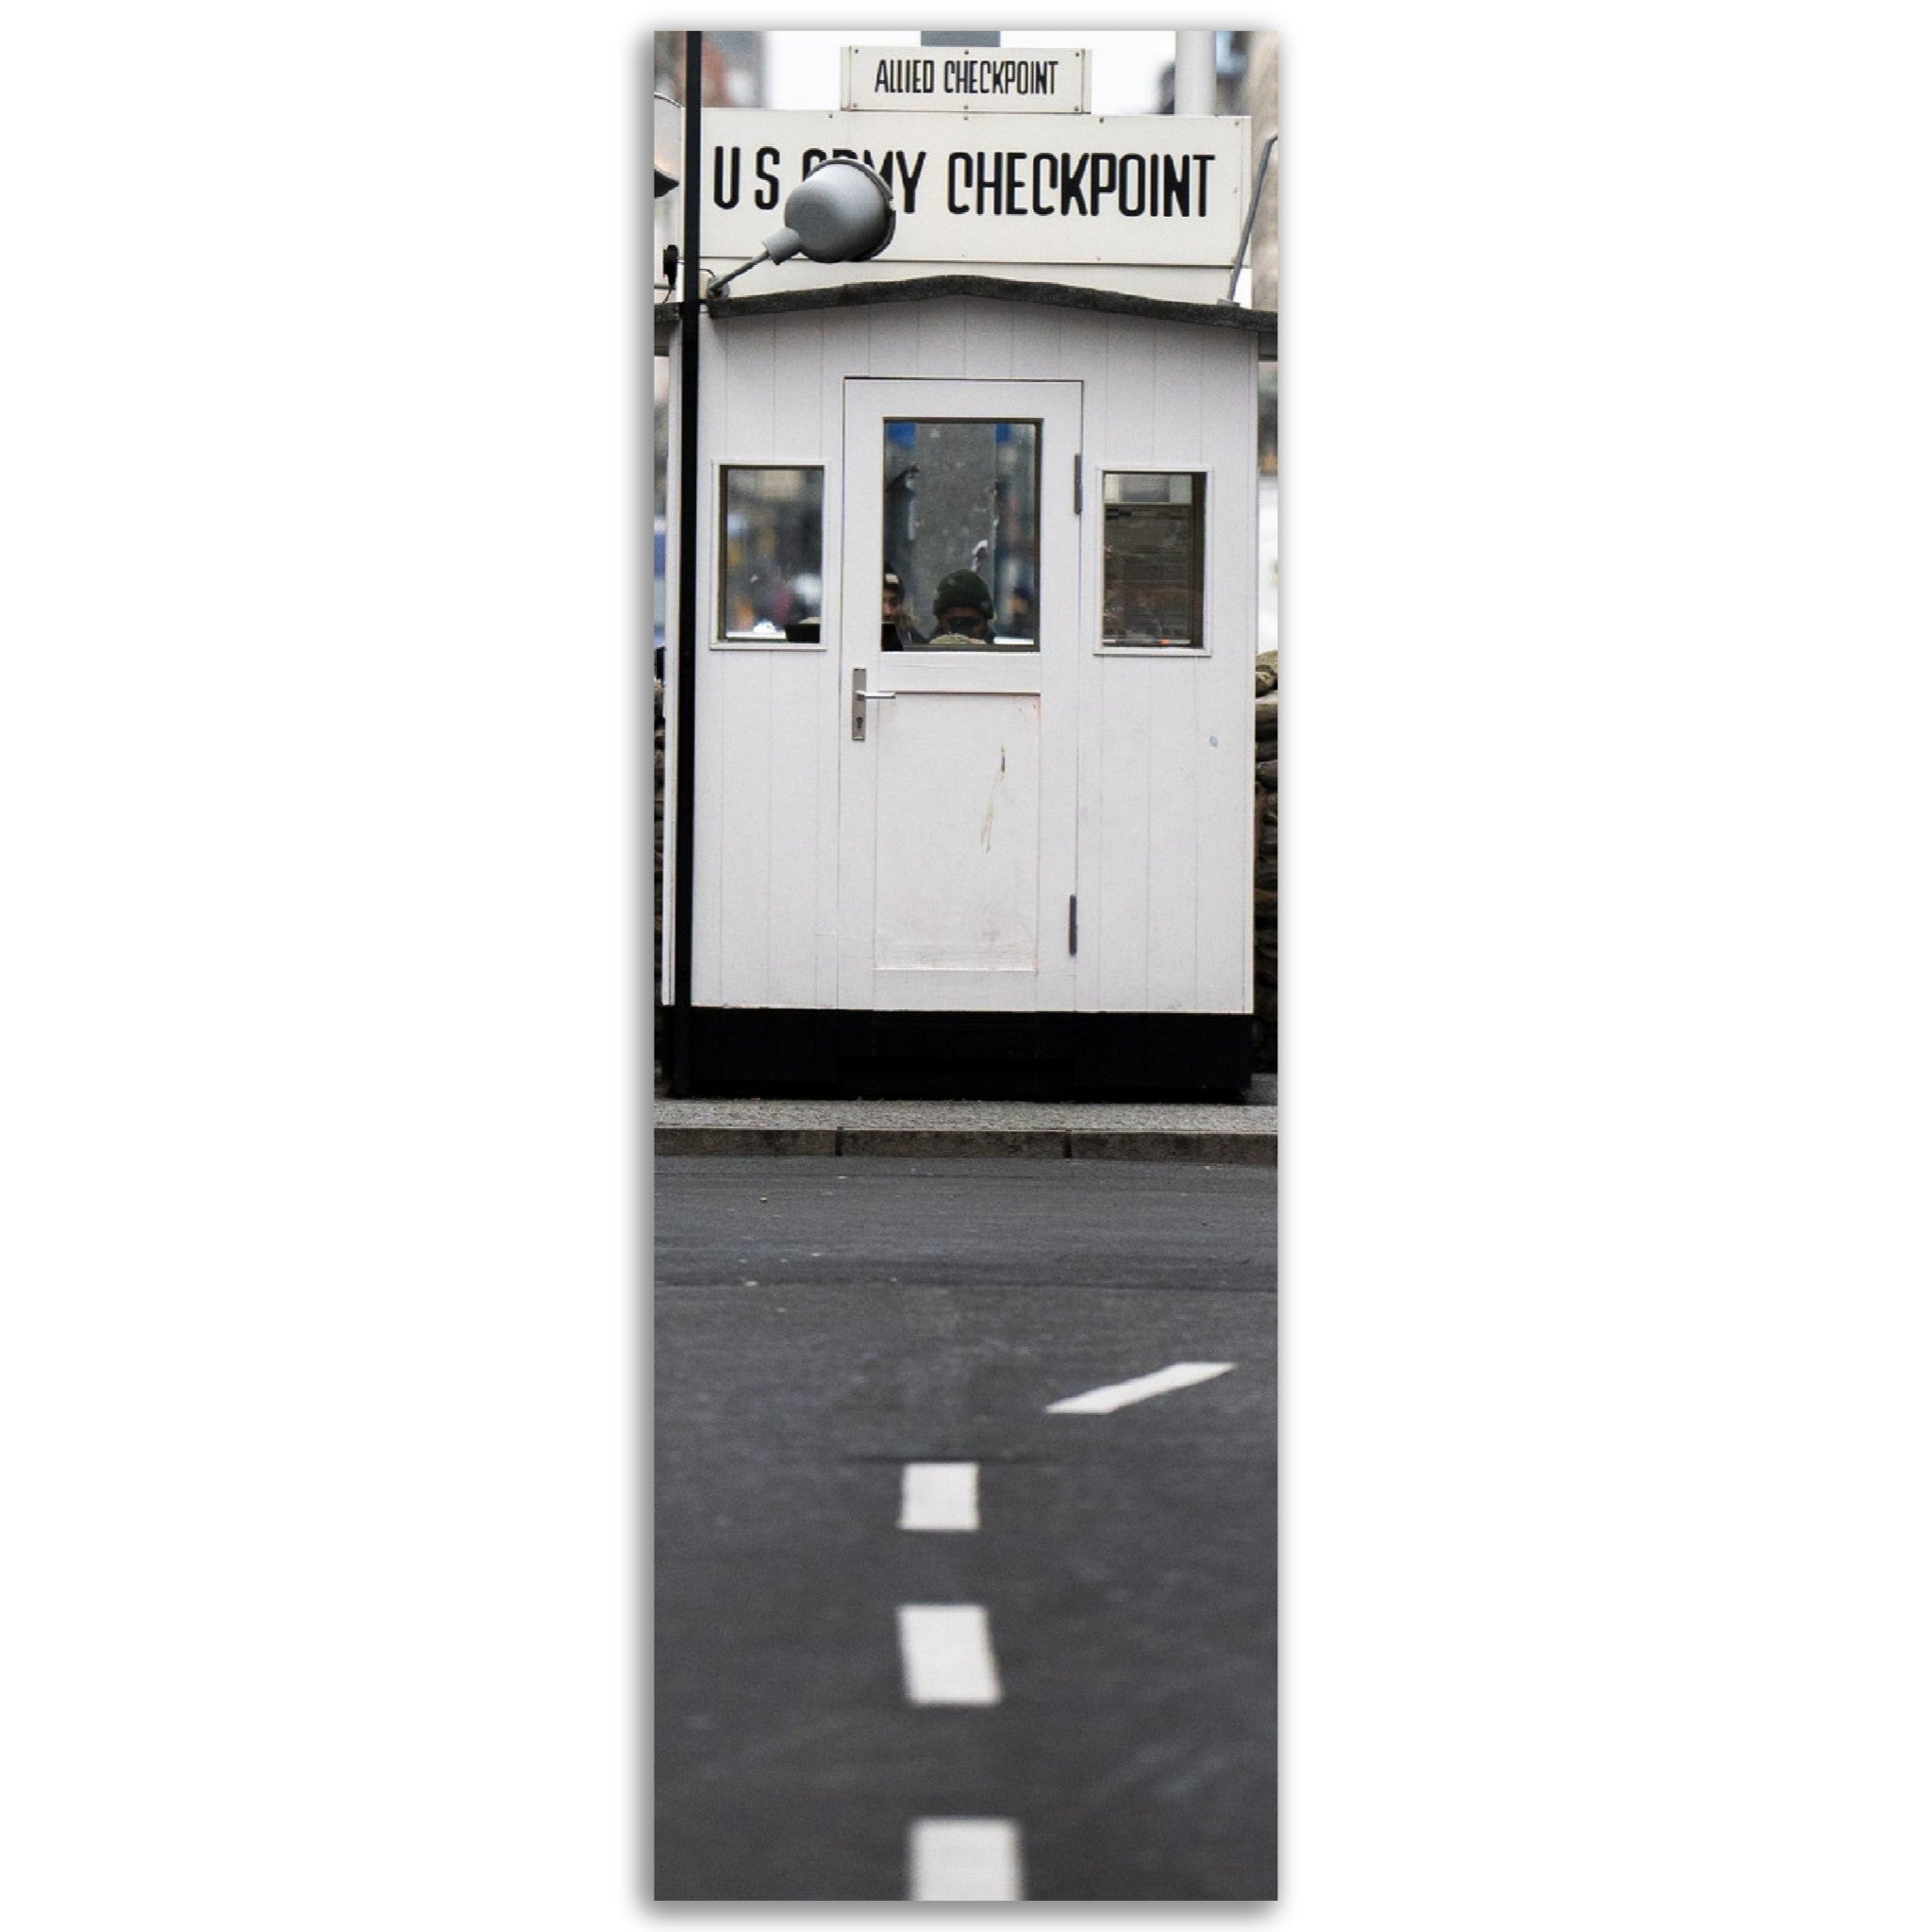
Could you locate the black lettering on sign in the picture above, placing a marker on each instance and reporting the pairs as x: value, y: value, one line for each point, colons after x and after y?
x: 720, y: 194
x: 814, y: 158
x: 1173, y: 183
x: 1074, y: 183
x: 985, y: 181
x: 903, y: 77
x: 766, y: 193
x: 1043, y: 164
x: 909, y: 173
x: 1017, y: 181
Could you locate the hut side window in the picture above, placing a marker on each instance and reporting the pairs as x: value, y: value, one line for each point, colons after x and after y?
x: 961, y: 515
x: 1150, y: 561
x: 771, y: 575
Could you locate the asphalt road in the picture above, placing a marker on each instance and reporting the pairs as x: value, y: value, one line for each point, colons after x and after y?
x: 821, y: 1323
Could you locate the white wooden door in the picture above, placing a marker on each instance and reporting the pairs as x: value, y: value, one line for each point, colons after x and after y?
x: 958, y: 793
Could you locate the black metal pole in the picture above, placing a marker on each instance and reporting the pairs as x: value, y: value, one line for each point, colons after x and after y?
x: 687, y: 564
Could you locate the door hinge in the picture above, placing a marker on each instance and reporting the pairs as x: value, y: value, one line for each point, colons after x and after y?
x: 1073, y: 922
x: 1076, y: 482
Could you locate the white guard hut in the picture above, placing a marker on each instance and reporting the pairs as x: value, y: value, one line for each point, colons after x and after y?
x: 940, y: 856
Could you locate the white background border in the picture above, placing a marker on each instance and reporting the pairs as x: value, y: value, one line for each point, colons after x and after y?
x: 1607, y: 436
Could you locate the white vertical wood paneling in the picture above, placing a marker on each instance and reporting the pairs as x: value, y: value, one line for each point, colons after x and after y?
x: 989, y: 342
x: 892, y: 339
x: 759, y: 816
x: 1177, y: 749
x: 1173, y: 882
x: 1130, y: 377
x: 942, y: 350
x: 1125, y: 780
x: 798, y: 380
x: 708, y: 831
x: 750, y: 366
x: 1228, y: 801
x: 1078, y: 343
x: 1164, y: 816
x: 1046, y: 329
x: 1226, y: 869
x: 791, y: 830
x: 846, y: 351
x: 744, y: 872
x: 1181, y: 405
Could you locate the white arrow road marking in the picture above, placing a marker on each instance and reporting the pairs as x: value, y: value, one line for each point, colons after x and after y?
x: 946, y: 1653
x: 952, y: 1860
x: 939, y: 1495
x: 1118, y: 1394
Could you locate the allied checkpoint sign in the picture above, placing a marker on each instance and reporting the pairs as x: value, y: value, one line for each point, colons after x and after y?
x: 1034, y: 80
x: 1152, y: 204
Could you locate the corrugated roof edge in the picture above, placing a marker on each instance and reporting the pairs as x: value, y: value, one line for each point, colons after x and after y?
x: 1257, y: 322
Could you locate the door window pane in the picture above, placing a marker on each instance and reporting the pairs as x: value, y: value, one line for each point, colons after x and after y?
x: 1151, y: 558
x: 770, y: 579
x: 963, y: 519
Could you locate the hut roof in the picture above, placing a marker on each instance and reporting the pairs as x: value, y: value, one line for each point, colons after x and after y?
x: 1262, y: 323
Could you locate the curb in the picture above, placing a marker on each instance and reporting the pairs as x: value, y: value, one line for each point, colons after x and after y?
x: 944, y: 1143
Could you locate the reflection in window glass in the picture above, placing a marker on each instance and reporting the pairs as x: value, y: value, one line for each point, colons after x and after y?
x: 963, y: 516
x: 1152, y: 559
x: 772, y: 528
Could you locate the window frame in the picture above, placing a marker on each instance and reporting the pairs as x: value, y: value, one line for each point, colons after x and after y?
x: 717, y: 639
x: 1203, y: 474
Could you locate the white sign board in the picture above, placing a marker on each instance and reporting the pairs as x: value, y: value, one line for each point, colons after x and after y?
x: 1155, y: 189
x: 983, y: 80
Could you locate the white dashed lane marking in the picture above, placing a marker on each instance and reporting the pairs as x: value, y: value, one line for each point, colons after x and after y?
x: 953, y: 1861
x: 946, y: 1653
x: 939, y: 1495
x: 1118, y: 1394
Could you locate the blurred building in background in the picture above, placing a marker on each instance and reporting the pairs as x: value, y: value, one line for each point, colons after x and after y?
x: 734, y: 68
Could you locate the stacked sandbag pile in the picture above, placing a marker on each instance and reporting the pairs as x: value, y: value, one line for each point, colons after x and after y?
x: 1267, y: 856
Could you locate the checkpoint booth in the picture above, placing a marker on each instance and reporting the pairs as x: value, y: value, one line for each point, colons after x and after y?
x: 997, y: 840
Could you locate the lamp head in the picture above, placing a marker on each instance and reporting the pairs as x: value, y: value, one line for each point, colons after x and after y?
x: 842, y: 211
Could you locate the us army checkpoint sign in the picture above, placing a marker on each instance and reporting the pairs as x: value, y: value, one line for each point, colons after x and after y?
x: 1160, y: 191
x: 1034, y: 80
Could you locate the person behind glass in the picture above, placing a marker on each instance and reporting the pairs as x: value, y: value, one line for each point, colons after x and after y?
x: 963, y: 608
x: 895, y: 620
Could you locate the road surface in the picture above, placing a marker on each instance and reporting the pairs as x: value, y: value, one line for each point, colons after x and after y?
x: 918, y: 1632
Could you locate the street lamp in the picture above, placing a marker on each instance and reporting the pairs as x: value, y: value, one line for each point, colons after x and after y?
x: 842, y: 211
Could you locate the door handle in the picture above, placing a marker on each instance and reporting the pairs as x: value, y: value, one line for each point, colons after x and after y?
x: 860, y: 697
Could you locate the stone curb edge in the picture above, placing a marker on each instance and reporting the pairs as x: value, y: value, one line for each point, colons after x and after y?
x: 1056, y: 1143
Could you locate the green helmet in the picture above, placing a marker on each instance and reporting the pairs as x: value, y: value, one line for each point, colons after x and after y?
x: 962, y: 587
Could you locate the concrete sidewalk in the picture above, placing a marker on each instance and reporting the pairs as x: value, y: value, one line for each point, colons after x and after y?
x: 1043, y: 1130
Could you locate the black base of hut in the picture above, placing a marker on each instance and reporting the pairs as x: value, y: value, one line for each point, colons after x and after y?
x: 770, y: 1053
